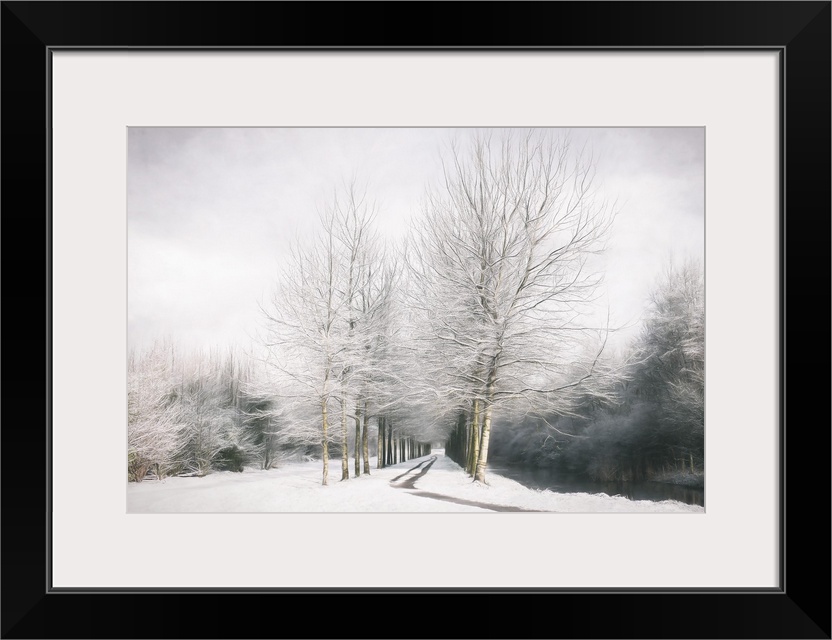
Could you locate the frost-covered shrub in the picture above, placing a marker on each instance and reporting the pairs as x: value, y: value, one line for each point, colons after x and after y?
x: 154, y: 420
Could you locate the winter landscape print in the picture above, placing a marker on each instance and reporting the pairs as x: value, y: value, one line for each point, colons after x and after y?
x: 415, y: 320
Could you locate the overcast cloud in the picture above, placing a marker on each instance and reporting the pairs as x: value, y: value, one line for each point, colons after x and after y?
x: 212, y: 212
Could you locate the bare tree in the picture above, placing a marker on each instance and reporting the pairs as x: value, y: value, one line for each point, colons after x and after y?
x: 304, y: 329
x: 155, y: 429
x: 501, y: 277
x: 351, y: 219
x: 209, y: 396
x: 326, y: 317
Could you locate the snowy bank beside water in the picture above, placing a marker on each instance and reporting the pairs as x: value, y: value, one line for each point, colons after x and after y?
x: 296, y: 487
x: 447, y: 477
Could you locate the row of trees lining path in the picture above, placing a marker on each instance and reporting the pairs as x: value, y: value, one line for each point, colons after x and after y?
x: 391, y: 449
x: 480, y: 310
x: 485, y: 314
x: 189, y: 415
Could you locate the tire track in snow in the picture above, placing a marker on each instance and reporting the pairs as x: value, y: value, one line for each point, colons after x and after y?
x: 409, y: 483
x: 410, y: 486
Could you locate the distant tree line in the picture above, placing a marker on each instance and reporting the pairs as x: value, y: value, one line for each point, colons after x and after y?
x: 190, y: 414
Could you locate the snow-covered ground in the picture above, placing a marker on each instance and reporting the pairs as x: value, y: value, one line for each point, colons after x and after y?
x: 296, y: 487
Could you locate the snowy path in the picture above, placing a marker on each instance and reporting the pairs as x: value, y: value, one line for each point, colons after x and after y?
x: 425, y: 466
x: 433, y: 483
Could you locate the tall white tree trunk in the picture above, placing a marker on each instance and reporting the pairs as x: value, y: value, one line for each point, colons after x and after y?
x: 357, y: 418
x: 486, y: 426
x: 380, y: 445
x: 345, y: 454
x: 474, y: 446
x: 365, y: 443
x: 324, y: 443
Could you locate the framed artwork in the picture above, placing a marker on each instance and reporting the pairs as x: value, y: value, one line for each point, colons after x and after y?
x: 187, y: 171
x: 370, y: 341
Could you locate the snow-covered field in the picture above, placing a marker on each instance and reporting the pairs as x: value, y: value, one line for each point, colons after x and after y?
x: 296, y: 487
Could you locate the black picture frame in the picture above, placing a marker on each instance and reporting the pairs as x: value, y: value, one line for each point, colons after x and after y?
x: 799, y: 608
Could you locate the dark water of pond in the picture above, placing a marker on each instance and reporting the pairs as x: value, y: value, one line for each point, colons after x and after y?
x: 546, y: 478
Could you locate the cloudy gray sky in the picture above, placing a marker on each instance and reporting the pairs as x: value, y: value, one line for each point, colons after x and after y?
x: 212, y: 212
